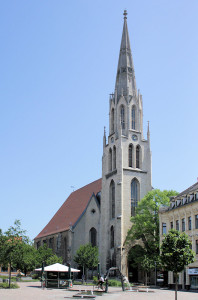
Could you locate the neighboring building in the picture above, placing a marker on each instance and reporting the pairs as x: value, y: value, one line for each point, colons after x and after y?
x: 104, y: 218
x: 182, y: 215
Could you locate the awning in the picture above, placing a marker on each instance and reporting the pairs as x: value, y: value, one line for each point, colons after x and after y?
x: 57, y: 268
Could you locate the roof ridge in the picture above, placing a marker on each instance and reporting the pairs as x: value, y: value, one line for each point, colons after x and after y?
x: 186, y: 190
x: 85, y: 186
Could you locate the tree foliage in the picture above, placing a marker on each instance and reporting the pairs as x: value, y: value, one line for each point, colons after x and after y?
x: 45, y: 254
x: 87, y: 256
x: 145, y: 225
x: 12, y: 246
x: 17, y: 251
x: 53, y: 259
x: 176, y: 253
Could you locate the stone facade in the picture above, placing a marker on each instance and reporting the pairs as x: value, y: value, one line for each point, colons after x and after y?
x: 183, y: 216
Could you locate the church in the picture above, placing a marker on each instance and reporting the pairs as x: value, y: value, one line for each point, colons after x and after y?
x: 99, y: 213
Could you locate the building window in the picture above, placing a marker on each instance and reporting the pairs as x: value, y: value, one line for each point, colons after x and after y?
x: 122, y: 117
x: 134, y: 195
x: 130, y: 155
x: 183, y: 225
x: 138, y: 156
x: 112, y: 199
x: 112, y: 237
x: 38, y: 245
x: 177, y: 225
x: 196, y: 246
x: 93, y: 236
x: 51, y: 243
x: 112, y: 120
x: 110, y: 160
x: 196, y: 221
x: 114, y: 157
x: 171, y: 225
x: 189, y: 223
x: 133, y: 118
x: 163, y: 228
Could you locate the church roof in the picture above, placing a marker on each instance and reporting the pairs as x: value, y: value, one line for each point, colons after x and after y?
x: 71, y: 210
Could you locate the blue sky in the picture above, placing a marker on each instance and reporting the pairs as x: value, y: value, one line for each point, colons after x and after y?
x: 58, y: 66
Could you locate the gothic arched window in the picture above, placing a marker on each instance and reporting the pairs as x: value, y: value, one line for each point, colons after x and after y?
x: 93, y: 237
x: 114, y: 157
x: 134, y: 195
x: 110, y: 160
x: 112, y: 199
x: 133, y: 111
x: 130, y: 155
x: 112, y: 238
x: 122, y: 117
x: 112, y: 121
x: 138, y: 157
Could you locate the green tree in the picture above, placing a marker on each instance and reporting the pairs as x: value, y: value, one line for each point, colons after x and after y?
x: 28, y: 258
x: 45, y: 254
x: 87, y: 257
x: 176, y: 253
x: 145, y: 226
x: 18, y: 252
x: 147, y: 264
x: 53, y: 259
x: 11, y: 246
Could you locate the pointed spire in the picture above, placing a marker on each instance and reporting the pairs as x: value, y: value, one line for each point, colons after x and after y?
x: 125, y: 73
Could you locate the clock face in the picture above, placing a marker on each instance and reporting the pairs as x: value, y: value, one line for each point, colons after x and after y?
x: 134, y: 137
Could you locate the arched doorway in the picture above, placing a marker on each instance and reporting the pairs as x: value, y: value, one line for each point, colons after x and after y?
x: 134, y: 258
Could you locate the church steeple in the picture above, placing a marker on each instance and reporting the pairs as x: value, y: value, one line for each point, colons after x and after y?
x: 125, y: 79
x: 126, y: 162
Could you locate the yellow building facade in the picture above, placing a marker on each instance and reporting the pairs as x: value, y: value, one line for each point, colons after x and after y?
x: 182, y: 215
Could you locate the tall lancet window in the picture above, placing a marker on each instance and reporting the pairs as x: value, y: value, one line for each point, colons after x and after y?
x: 112, y: 121
x: 138, y: 157
x: 110, y: 160
x: 130, y: 155
x: 133, y: 112
x: 112, y: 237
x: 112, y: 199
x: 93, y: 237
x: 134, y: 195
x: 114, y: 157
x: 122, y: 116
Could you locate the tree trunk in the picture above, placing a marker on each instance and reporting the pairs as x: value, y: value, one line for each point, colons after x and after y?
x: 9, y: 275
x: 176, y: 287
x: 146, y: 279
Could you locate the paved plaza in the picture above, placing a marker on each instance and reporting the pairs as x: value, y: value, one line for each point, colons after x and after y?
x: 33, y: 291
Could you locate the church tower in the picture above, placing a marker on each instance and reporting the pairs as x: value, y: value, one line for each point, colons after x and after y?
x: 126, y: 161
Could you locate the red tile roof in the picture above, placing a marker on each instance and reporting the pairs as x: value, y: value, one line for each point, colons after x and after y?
x: 71, y: 210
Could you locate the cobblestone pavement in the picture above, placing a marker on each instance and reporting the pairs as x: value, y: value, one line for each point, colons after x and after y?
x: 33, y: 291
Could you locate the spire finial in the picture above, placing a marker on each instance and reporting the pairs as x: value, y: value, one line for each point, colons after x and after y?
x: 125, y: 14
